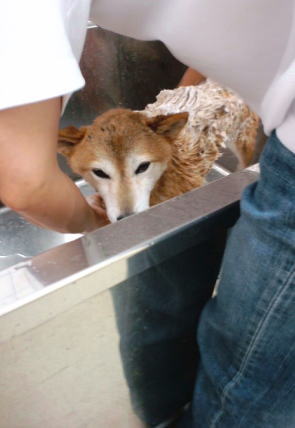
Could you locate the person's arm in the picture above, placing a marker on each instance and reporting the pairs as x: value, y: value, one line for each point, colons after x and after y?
x: 31, y: 181
x: 191, y: 77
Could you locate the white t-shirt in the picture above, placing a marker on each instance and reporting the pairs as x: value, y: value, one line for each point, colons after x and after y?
x: 247, y: 45
x: 40, y: 45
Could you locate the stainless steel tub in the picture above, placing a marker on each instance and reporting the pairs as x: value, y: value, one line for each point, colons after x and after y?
x: 60, y: 365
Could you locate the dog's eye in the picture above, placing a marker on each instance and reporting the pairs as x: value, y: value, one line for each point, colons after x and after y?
x: 100, y: 173
x: 142, y: 167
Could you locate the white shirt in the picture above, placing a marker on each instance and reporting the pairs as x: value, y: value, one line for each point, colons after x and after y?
x: 247, y: 45
x: 40, y: 46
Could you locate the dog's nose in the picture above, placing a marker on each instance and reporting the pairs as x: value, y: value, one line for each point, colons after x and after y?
x: 123, y: 216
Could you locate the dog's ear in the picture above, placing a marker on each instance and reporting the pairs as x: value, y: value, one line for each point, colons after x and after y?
x: 68, y: 138
x: 168, y: 125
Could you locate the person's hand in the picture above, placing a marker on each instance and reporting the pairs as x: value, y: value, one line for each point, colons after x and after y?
x: 97, y: 204
x: 31, y: 181
x: 191, y: 77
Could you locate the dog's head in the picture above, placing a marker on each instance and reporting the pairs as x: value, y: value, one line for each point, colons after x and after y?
x: 122, y: 155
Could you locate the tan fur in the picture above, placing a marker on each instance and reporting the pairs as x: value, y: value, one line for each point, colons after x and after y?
x: 114, y: 135
x: 185, y: 147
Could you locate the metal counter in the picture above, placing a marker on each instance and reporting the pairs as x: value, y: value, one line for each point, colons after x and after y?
x: 60, y: 364
x: 59, y: 342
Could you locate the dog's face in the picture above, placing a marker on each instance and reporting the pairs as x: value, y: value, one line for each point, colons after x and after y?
x: 122, y: 155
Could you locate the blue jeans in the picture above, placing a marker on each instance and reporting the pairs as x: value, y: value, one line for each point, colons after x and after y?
x: 240, y: 372
x: 246, y: 335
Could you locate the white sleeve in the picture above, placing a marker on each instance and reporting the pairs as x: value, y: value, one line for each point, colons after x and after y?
x: 40, y: 46
x: 140, y: 19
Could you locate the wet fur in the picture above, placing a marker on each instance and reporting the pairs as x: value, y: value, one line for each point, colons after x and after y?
x: 184, y: 147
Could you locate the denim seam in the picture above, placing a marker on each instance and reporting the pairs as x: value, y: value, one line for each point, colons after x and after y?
x: 259, y: 330
x: 274, y: 171
x: 262, y: 394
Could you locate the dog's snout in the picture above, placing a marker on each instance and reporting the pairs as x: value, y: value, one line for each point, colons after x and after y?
x: 123, y: 216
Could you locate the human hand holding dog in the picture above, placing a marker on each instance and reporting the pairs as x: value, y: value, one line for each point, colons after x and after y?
x: 97, y: 204
x: 31, y: 181
x: 191, y: 77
